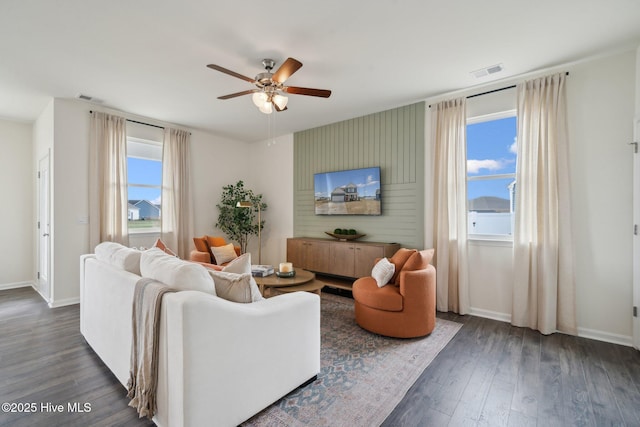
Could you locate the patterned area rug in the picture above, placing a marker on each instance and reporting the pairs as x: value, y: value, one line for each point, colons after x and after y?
x: 363, y: 376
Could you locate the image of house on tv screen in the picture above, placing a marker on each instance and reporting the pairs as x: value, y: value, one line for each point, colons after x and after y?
x: 348, y: 192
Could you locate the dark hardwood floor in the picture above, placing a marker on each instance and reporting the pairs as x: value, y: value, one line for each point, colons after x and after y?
x: 494, y: 374
x: 490, y: 374
x: 45, y: 360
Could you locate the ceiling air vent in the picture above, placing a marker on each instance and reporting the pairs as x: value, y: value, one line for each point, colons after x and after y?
x: 88, y: 98
x: 487, y: 70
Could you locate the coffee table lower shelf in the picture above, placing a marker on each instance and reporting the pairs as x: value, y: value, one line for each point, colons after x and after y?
x: 314, y: 286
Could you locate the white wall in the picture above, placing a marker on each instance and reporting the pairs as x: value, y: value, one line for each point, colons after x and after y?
x: 272, y: 175
x: 215, y: 162
x: 16, y: 210
x: 601, y: 102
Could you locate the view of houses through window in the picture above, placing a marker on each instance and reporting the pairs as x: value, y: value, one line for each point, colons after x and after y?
x: 491, y: 167
x: 144, y: 175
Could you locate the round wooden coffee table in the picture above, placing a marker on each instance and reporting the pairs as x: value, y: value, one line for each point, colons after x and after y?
x: 303, y: 281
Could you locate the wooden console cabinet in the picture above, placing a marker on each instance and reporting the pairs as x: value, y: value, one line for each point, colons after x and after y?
x: 346, y: 259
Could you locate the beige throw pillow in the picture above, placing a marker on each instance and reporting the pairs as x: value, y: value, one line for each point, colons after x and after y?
x: 242, y: 265
x: 383, y: 272
x: 224, y: 253
x: 235, y: 287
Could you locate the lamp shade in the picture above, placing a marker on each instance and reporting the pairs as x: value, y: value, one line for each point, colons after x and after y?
x: 259, y: 98
x: 280, y: 101
x: 266, y: 107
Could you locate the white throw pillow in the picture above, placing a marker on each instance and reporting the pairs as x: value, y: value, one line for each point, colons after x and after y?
x: 235, y: 287
x: 119, y: 256
x: 172, y: 271
x: 224, y: 253
x: 383, y: 272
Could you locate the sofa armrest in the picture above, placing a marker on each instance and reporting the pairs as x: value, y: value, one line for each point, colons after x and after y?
x: 227, y: 361
x: 199, y: 256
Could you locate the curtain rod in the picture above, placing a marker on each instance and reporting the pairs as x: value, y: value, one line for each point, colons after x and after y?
x: 140, y: 123
x: 495, y: 90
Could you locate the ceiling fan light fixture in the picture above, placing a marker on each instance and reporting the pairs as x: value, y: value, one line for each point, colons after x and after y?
x: 259, y: 98
x: 280, y: 101
x: 266, y: 108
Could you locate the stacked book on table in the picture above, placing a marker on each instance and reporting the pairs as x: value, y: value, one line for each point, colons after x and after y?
x: 258, y: 270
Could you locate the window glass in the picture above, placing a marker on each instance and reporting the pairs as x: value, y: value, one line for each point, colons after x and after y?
x: 491, y: 166
x: 144, y: 175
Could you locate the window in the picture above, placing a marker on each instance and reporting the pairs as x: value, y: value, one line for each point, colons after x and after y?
x: 491, y: 167
x: 144, y: 186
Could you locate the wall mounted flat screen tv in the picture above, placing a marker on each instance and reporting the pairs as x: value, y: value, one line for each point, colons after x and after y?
x: 348, y: 192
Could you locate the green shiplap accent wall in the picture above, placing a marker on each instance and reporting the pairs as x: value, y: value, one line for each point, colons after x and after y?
x: 393, y: 140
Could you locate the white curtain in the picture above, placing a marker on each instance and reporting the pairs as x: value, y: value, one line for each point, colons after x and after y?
x: 176, y: 212
x: 450, y: 222
x: 108, y: 179
x: 544, y: 288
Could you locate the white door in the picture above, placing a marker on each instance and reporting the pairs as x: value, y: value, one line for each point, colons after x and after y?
x: 636, y: 237
x: 44, y: 222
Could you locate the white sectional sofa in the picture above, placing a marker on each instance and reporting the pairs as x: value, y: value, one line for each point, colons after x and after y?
x: 220, y: 362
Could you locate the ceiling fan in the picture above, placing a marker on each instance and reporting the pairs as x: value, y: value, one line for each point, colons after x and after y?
x: 270, y: 87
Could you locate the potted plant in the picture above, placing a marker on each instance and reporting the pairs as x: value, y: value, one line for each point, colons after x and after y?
x: 237, y: 222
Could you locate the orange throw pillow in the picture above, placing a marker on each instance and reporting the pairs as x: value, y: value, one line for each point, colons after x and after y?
x: 398, y: 259
x: 214, y: 242
x: 161, y: 245
x: 201, y: 244
x: 419, y: 260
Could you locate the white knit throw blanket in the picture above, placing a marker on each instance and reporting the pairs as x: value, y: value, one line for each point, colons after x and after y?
x: 143, y: 374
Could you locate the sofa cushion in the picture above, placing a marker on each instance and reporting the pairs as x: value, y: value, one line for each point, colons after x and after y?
x: 398, y: 259
x: 367, y: 292
x: 223, y: 254
x: 419, y: 260
x: 172, y: 271
x: 119, y: 256
x: 235, y: 287
x: 383, y: 272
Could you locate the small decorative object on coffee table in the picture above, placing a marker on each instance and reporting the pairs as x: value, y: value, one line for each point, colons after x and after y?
x: 285, y: 269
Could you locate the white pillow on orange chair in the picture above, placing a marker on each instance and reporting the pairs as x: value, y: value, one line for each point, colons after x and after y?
x: 383, y: 272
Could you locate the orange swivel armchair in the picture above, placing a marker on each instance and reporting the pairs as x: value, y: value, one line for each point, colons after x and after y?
x: 404, y: 308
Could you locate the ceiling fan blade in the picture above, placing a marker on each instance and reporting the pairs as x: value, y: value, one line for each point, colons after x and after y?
x: 285, y: 71
x: 231, y: 73
x: 322, y: 93
x: 233, y: 95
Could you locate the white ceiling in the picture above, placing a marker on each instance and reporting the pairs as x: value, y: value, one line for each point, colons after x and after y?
x: 149, y: 57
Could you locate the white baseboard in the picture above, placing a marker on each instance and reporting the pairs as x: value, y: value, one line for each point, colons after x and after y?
x: 64, y: 302
x: 488, y: 314
x: 16, y: 285
x: 593, y: 334
x: 582, y: 332
x: 52, y: 304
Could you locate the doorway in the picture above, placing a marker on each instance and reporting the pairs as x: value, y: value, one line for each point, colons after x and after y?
x: 44, y: 228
